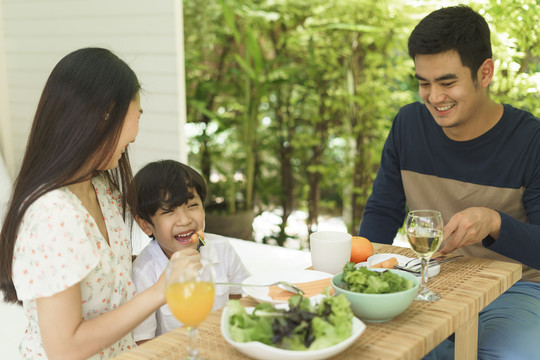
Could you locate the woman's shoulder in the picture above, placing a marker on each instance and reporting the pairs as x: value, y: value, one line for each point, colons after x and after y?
x: 57, y: 210
x: 54, y: 201
x: 63, y: 255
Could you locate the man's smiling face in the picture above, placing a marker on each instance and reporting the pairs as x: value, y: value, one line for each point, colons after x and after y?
x: 448, y: 90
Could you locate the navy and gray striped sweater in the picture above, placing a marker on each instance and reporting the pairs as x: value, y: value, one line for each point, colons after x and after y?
x: 421, y: 168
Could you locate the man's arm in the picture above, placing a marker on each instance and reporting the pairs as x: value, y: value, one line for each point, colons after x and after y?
x: 497, y: 231
x: 517, y: 240
x: 385, y: 209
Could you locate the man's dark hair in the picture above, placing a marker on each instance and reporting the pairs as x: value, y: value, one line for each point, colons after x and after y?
x: 164, y: 184
x: 457, y: 28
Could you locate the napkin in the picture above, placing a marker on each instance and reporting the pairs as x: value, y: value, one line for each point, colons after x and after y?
x: 310, y: 289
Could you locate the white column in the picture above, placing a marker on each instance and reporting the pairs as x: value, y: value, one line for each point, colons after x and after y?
x: 6, y: 144
x: 181, y: 80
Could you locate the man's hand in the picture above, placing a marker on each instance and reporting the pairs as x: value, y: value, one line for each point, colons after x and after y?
x: 470, y: 226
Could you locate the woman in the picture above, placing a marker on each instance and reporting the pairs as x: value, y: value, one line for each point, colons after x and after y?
x: 66, y: 253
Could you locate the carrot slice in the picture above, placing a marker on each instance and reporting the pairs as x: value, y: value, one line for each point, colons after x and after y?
x: 195, y: 237
x: 310, y: 289
x: 386, y: 264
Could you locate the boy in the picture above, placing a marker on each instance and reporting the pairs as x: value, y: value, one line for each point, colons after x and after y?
x: 167, y: 201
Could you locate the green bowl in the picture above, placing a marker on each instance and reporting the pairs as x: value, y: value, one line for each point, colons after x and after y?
x: 379, y: 307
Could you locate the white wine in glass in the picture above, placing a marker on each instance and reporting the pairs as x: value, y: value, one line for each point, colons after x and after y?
x: 424, y: 231
x: 190, y: 296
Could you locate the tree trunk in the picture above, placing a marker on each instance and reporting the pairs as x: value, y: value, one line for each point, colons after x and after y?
x: 251, y: 125
x: 285, y: 156
x: 206, y: 161
x: 358, y: 183
x: 314, y: 198
x: 314, y: 179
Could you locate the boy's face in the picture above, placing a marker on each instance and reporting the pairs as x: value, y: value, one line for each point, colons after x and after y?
x: 451, y: 96
x: 172, y: 228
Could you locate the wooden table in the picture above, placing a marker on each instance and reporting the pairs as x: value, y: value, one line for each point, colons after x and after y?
x: 467, y: 286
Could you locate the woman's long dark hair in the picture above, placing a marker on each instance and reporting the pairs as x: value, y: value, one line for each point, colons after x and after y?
x: 76, y: 128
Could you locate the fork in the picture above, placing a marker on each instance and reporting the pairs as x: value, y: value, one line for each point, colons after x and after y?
x: 432, y: 262
x: 287, y: 286
x: 403, y: 268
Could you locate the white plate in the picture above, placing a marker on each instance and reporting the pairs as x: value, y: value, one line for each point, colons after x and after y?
x: 260, y: 351
x: 402, y: 260
x: 293, y: 276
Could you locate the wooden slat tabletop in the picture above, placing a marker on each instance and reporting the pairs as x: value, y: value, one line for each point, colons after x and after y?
x: 466, y: 285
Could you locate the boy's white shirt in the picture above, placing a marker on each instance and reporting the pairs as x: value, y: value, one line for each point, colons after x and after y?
x: 151, y: 262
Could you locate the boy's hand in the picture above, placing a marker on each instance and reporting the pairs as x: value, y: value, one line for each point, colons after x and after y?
x: 187, y: 256
x: 182, y: 258
x: 185, y: 259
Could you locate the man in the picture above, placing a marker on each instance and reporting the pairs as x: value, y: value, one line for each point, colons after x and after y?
x: 474, y: 160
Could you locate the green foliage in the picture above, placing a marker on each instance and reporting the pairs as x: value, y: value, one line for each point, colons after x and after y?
x: 291, y: 100
x: 516, y: 49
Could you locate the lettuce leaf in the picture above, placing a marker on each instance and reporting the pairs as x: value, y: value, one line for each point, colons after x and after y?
x: 244, y: 327
x: 334, y: 323
x: 373, y: 282
x: 302, y: 327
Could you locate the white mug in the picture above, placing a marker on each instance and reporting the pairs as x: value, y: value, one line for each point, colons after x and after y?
x: 330, y: 250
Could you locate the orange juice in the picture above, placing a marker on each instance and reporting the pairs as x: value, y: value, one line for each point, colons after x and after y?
x: 190, y: 301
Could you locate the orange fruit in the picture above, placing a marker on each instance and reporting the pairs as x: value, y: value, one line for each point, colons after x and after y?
x: 361, y: 249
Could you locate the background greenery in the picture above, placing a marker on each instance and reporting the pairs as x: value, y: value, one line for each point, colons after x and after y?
x: 290, y: 101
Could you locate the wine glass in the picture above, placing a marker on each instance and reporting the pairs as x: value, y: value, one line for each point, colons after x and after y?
x: 424, y: 230
x: 190, y: 295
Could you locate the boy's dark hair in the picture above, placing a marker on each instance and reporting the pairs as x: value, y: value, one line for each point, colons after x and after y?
x: 457, y: 28
x: 164, y: 184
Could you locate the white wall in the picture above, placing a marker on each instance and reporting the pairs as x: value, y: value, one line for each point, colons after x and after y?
x: 38, y: 33
x: 6, y: 144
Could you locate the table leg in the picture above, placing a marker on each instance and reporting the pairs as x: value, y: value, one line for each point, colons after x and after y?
x: 466, y: 346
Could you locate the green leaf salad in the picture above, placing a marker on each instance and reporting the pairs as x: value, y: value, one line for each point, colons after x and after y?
x: 366, y: 281
x: 302, y: 327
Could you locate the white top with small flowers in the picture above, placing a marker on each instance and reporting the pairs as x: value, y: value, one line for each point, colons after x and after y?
x: 58, y: 245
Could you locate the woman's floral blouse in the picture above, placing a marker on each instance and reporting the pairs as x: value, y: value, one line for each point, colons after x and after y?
x: 58, y: 245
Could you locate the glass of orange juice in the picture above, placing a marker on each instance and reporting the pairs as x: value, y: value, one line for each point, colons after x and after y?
x: 190, y: 296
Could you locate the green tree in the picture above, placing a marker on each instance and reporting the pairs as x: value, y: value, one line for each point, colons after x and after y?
x: 516, y: 50
x: 293, y: 99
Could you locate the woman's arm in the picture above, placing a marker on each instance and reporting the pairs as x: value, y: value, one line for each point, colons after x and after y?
x: 66, y: 336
